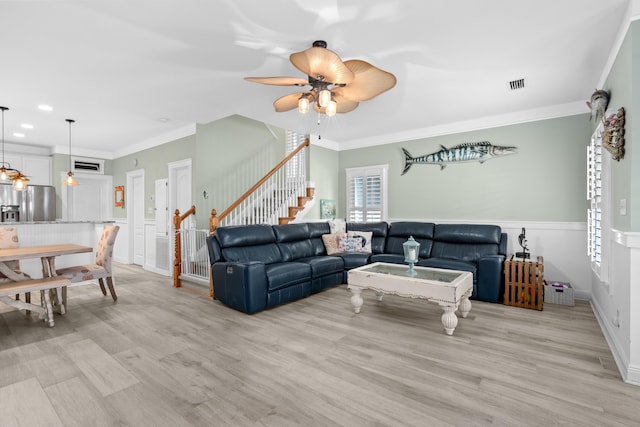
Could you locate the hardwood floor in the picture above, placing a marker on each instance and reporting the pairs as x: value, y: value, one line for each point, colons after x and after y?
x: 170, y: 357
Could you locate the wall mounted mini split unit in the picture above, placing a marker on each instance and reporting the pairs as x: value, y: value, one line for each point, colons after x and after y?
x: 85, y: 165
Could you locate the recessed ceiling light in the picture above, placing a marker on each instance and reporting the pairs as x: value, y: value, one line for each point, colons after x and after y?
x: 18, y: 134
x: 26, y: 126
x: 163, y: 119
x: 45, y: 107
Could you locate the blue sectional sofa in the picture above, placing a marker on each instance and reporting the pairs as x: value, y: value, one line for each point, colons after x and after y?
x: 255, y: 267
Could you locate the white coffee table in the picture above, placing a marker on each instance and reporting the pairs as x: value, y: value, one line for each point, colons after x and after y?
x: 451, y: 289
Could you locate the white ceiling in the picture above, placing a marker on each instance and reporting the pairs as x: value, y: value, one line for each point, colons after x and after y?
x: 120, y: 66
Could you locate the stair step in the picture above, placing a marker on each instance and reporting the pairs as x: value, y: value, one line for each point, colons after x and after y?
x: 285, y: 219
x: 303, y: 200
x: 293, y: 210
x: 311, y: 192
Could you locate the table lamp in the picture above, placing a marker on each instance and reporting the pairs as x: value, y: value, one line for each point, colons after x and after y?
x: 411, y: 249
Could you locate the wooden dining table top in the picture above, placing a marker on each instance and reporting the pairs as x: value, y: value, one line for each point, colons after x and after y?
x: 42, y: 251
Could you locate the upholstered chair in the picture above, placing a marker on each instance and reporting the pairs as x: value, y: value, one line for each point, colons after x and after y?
x: 102, y: 269
x: 9, y: 240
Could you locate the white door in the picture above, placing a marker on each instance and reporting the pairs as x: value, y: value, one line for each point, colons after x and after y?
x: 179, y: 195
x: 135, y: 215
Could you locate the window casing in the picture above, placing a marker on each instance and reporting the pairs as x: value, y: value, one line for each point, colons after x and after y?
x: 599, y: 197
x: 366, y: 194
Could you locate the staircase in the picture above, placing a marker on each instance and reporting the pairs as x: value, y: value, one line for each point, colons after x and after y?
x: 293, y: 211
x: 280, y: 197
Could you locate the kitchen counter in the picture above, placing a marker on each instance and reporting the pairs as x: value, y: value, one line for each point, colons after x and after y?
x: 84, y: 233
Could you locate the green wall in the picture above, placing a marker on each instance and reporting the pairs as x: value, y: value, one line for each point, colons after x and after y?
x: 154, y: 163
x: 620, y: 87
x: 544, y: 181
x: 232, y: 154
x: 324, y: 171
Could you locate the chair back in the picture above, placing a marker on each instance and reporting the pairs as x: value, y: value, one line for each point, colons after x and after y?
x: 104, y: 251
x: 9, y: 240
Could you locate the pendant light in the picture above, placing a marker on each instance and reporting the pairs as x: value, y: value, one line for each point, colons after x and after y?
x: 6, y: 171
x: 3, y: 166
x: 70, y: 180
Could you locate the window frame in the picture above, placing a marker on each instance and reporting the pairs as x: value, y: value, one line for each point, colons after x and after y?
x: 600, y: 209
x: 366, y: 172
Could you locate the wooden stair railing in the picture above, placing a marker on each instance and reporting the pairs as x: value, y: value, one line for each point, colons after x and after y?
x: 215, y: 219
x: 177, y: 261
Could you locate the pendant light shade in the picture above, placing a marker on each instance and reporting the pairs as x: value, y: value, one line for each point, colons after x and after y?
x: 70, y: 180
x: 6, y: 171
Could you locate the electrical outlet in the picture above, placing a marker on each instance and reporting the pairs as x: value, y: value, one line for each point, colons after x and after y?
x: 150, y: 210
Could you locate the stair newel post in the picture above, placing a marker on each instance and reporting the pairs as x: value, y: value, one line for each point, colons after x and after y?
x: 213, y: 221
x: 177, y: 255
x: 177, y: 224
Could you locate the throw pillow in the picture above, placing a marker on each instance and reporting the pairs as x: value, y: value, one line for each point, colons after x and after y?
x: 364, y: 237
x: 337, y: 226
x: 349, y: 244
x: 331, y: 243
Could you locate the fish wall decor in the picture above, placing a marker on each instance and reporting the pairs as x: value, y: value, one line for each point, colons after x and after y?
x: 598, y: 104
x: 462, y: 153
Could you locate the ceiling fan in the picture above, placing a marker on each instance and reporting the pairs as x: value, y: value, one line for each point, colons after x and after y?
x: 335, y: 86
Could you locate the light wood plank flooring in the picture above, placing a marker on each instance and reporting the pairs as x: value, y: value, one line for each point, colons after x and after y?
x: 170, y: 357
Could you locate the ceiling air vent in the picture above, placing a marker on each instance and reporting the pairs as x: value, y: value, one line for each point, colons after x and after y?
x: 516, y: 84
x: 88, y: 165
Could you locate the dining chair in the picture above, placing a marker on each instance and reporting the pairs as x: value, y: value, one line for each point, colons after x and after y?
x: 101, y: 270
x: 9, y: 240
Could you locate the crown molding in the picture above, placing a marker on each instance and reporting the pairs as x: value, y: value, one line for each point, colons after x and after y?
x: 562, y: 110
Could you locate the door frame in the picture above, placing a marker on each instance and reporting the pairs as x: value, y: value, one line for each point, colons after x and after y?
x: 128, y: 195
x: 172, y: 169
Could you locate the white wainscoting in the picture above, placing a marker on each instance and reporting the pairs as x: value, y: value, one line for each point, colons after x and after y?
x: 81, y: 233
x: 563, y: 245
x: 150, y: 247
x: 121, y: 248
x: 616, y: 300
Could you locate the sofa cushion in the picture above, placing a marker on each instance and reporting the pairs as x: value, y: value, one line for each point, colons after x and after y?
x: 245, y: 235
x: 365, y: 239
x: 337, y: 225
x: 267, y: 254
x: 354, y: 259
x: 316, y: 231
x: 349, y: 244
x: 379, y: 230
x: 468, y: 233
x: 450, y: 264
x: 399, y: 232
x: 283, y: 274
x: 391, y: 258
x: 323, y: 265
x: 293, y: 241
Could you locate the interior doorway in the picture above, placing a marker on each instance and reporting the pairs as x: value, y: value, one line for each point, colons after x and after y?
x: 179, y: 196
x: 134, y: 200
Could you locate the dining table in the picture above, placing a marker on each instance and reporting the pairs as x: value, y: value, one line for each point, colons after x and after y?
x: 47, y: 255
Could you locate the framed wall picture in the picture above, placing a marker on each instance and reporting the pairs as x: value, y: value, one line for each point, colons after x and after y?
x: 327, y: 209
x: 119, y: 196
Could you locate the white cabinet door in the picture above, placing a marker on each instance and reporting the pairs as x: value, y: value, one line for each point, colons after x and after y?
x: 37, y: 168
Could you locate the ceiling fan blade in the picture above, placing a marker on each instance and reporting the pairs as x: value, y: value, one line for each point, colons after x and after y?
x: 343, y: 105
x: 369, y: 81
x: 287, y: 102
x: 278, y: 81
x: 322, y: 64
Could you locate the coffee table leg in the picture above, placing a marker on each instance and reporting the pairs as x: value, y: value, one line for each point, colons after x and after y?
x: 449, y: 319
x: 465, y: 306
x: 356, y: 299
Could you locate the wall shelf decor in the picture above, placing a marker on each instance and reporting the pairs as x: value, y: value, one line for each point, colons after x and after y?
x: 613, y: 134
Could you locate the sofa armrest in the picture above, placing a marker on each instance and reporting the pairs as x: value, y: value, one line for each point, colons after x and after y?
x: 491, y: 278
x: 241, y: 285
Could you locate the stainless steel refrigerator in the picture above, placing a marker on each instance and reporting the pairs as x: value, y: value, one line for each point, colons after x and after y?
x: 36, y: 203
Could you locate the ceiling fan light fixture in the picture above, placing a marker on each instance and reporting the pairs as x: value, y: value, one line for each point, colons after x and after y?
x: 324, y: 97
x: 331, y: 108
x: 303, y: 104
